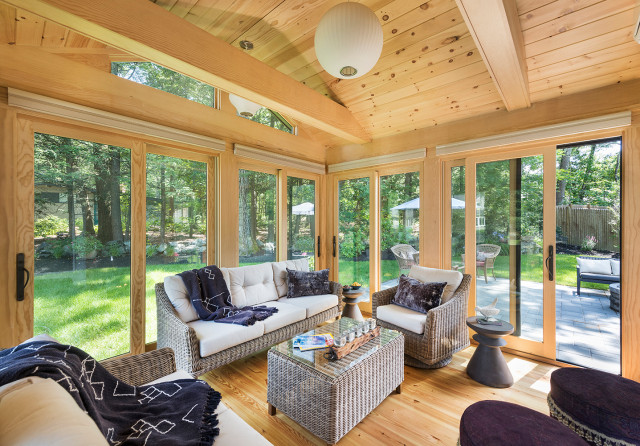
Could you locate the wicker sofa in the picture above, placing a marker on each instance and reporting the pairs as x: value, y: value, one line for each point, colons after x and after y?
x: 431, y: 339
x: 201, y: 346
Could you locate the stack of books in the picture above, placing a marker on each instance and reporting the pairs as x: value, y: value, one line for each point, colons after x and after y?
x: 312, y: 342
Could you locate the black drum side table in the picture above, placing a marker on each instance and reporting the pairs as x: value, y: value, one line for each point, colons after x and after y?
x: 487, y: 365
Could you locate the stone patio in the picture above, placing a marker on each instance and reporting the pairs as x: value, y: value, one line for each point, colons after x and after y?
x: 587, y: 330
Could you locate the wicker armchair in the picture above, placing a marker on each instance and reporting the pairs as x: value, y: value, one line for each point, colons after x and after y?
x: 405, y: 256
x: 182, y: 339
x: 445, y: 331
x: 486, y: 257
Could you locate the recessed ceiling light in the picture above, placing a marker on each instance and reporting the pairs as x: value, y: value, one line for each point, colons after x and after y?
x: 246, y: 45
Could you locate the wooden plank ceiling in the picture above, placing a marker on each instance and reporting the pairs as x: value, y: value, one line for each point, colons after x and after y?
x: 430, y: 71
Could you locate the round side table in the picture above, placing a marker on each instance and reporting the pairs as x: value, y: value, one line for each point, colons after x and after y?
x: 351, y: 299
x: 487, y: 365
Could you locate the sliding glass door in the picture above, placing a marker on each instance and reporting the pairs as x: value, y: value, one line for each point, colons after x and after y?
x: 82, y: 238
x: 510, y: 250
x: 353, y: 231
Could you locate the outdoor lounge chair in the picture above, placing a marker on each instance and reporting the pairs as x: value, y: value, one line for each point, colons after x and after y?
x: 485, y: 258
x: 405, y: 255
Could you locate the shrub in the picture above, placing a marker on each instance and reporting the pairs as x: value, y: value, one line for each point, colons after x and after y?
x: 589, y: 243
x: 85, y: 245
x: 49, y: 225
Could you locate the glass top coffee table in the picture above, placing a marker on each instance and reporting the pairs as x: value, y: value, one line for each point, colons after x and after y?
x: 330, y: 397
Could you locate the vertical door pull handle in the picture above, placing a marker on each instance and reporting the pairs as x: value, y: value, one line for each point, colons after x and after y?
x: 21, y: 284
x: 334, y: 245
x: 549, y: 263
x: 318, y: 246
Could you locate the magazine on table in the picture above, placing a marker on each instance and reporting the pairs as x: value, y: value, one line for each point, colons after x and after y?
x: 312, y: 342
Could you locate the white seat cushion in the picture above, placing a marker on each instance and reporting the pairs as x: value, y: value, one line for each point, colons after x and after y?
x: 313, y: 304
x: 36, y: 411
x: 178, y: 374
x: 615, y: 267
x: 234, y: 430
x: 403, y: 317
x: 215, y: 337
x: 250, y: 285
x: 179, y: 297
x: 287, y: 314
x: 424, y: 274
x: 594, y: 266
x: 280, y: 275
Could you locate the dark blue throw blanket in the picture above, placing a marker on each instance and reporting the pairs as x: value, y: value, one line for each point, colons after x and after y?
x: 178, y: 412
x: 211, y: 298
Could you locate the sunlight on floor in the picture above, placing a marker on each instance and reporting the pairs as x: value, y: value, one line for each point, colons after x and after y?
x: 543, y: 384
x: 520, y: 368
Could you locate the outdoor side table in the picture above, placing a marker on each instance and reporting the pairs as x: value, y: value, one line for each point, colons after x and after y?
x: 351, y: 299
x: 487, y: 365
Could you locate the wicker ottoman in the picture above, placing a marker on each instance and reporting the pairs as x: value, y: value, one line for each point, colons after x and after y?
x: 601, y: 407
x: 499, y: 423
x: 330, y: 397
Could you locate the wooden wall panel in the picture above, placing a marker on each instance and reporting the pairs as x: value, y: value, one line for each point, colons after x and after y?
x: 10, y: 307
x: 138, y: 246
x: 630, y: 256
x: 228, y: 221
x: 431, y: 208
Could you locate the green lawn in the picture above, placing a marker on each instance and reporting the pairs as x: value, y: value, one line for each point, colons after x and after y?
x: 90, y: 308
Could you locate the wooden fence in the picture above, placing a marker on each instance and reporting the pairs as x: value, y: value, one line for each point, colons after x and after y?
x: 580, y: 221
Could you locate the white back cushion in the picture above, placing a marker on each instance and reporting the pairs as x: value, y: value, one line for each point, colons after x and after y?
x: 594, y: 266
x: 280, y: 275
x: 424, y: 274
x: 179, y: 297
x: 615, y: 267
x: 250, y: 285
x: 36, y: 411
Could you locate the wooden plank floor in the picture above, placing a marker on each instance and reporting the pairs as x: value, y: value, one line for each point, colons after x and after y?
x: 427, y: 412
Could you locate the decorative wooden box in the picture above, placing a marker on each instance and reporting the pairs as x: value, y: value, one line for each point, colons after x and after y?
x: 341, y: 352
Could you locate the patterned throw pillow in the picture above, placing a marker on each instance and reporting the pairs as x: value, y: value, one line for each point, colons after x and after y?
x: 418, y: 296
x: 312, y: 283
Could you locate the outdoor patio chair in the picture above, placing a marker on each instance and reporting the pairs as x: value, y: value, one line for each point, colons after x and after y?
x: 405, y: 255
x: 485, y: 258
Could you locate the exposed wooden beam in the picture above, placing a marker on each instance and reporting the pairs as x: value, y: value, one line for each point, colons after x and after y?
x: 41, y: 72
x: 495, y: 27
x: 148, y: 31
x: 601, y: 101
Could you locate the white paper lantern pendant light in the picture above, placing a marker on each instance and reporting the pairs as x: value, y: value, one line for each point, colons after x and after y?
x: 348, y: 40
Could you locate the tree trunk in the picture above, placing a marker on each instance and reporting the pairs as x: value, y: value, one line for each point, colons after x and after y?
x: 103, y: 192
x: 163, y: 205
x: 246, y: 244
x: 116, y: 212
x: 191, y: 221
x: 71, y: 170
x: 587, y: 174
x: 562, y: 184
x: 87, y: 215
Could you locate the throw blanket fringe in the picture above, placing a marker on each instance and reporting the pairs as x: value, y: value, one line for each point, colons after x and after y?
x: 211, y: 298
x: 176, y: 412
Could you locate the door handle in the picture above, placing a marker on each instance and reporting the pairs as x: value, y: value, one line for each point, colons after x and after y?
x: 319, y: 246
x: 549, y: 262
x: 334, y: 245
x: 20, y: 272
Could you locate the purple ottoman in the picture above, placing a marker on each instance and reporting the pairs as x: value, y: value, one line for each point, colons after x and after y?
x: 492, y: 423
x: 601, y: 407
